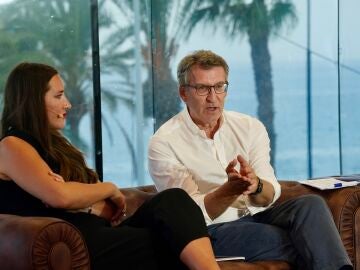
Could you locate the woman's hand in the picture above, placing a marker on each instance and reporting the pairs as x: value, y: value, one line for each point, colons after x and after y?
x: 112, y: 209
x: 56, y: 177
x: 104, y: 208
x: 118, y: 199
x: 109, y: 211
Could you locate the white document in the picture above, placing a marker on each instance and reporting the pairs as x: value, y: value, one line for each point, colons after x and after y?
x: 328, y: 183
x: 229, y: 258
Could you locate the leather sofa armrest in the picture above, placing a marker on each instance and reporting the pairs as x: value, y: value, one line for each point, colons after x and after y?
x: 344, y: 205
x: 41, y: 243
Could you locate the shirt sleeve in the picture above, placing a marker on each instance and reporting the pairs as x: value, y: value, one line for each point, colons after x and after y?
x: 259, y: 160
x: 167, y: 172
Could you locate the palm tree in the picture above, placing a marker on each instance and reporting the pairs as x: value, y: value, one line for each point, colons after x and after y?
x: 16, y: 47
x: 119, y: 61
x: 57, y: 33
x: 259, y: 21
x: 159, y: 86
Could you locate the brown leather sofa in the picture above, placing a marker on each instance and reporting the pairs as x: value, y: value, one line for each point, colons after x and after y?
x: 49, y: 243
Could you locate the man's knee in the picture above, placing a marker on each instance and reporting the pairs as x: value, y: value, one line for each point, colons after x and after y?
x: 255, y: 241
x: 310, y: 201
x: 311, y: 206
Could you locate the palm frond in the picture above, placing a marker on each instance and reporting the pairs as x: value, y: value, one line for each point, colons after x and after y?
x: 204, y: 15
x: 235, y: 16
x: 282, y: 15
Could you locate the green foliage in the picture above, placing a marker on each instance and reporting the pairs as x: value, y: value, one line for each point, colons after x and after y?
x: 55, y: 32
x: 159, y: 86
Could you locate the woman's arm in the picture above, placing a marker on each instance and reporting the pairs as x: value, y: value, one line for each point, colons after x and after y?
x: 104, y: 208
x: 22, y: 163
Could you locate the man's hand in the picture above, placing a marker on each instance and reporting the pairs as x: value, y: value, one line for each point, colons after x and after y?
x: 244, y: 181
x: 247, y: 172
x: 239, y: 182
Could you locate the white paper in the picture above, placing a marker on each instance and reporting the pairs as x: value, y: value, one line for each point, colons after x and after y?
x: 328, y: 183
x: 229, y: 258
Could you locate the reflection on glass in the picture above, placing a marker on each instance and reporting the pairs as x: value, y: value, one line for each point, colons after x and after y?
x: 297, y: 97
x: 324, y: 91
x: 56, y: 33
x: 290, y: 92
x: 126, y: 91
x: 159, y: 41
x: 350, y: 85
x: 250, y: 55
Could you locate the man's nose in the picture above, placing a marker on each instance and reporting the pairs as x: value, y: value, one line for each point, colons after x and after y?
x: 211, y: 93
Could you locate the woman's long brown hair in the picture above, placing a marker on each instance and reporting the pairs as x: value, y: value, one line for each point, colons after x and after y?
x: 24, y: 109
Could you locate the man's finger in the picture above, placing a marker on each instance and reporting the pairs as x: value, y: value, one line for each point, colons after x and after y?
x: 242, y: 161
x: 244, y: 165
x: 230, y: 166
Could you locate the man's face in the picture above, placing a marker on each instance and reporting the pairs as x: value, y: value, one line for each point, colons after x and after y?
x: 207, y: 109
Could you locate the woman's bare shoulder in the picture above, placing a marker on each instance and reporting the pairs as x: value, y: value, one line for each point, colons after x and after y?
x: 8, y: 146
x: 11, y: 143
x: 13, y: 149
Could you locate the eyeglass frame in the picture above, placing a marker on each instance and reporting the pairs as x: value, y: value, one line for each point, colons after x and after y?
x: 208, y: 88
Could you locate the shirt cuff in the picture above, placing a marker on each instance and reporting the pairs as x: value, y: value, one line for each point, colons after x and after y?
x: 199, y: 199
x: 256, y: 209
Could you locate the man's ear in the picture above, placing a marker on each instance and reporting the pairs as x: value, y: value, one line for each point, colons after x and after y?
x: 182, y: 93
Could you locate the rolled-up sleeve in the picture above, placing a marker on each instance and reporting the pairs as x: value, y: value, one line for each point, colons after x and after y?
x: 259, y: 160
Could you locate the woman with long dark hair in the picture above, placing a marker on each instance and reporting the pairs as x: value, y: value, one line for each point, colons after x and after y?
x: 43, y: 174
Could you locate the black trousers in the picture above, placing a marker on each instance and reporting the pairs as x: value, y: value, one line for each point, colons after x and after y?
x: 152, y: 238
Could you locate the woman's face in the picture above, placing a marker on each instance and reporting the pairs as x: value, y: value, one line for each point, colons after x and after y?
x: 56, y: 103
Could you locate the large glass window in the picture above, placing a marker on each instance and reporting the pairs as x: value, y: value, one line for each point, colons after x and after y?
x: 295, y: 65
x: 127, y: 96
x: 284, y: 64
x: 349, y: 85
x: 267, y: 60
x: 55, y: 32
x: 324, y: 88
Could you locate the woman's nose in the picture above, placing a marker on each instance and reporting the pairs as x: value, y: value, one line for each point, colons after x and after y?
x: 67, y: 105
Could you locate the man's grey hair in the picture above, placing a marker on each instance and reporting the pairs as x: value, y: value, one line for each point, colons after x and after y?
x: 206, y: 59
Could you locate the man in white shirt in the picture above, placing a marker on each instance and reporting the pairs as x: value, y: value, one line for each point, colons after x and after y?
x: 222, y: 160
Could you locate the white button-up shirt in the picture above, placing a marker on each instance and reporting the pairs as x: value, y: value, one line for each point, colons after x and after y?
x: 180, y: 155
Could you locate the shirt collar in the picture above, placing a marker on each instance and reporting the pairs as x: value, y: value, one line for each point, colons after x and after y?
x: 193, y: 127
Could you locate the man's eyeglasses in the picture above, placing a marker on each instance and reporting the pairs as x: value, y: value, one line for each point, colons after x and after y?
x: 203, y: 90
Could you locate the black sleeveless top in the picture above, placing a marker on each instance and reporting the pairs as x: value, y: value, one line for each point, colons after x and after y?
x: 15, y: 200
